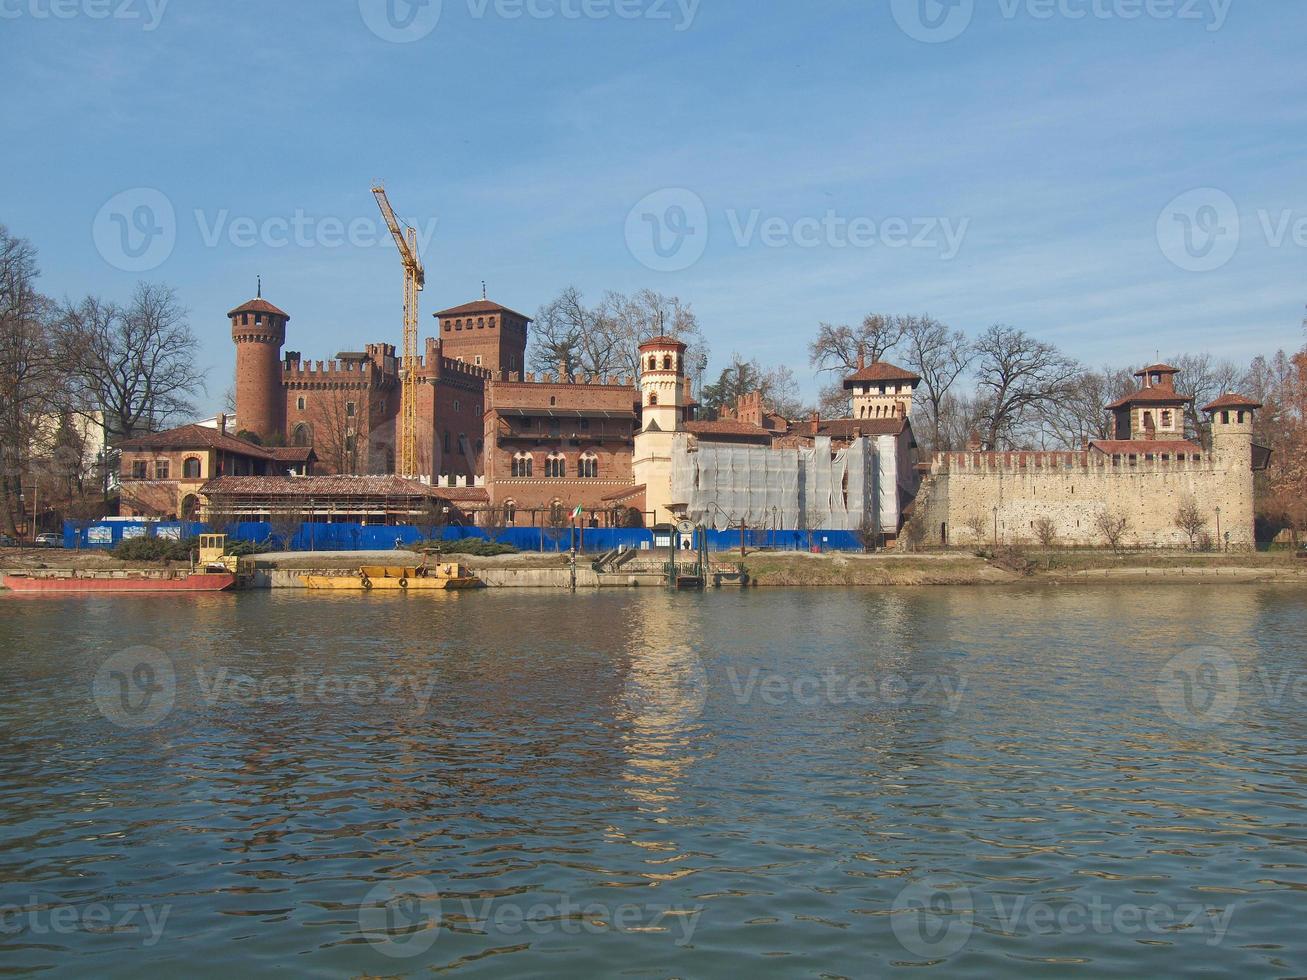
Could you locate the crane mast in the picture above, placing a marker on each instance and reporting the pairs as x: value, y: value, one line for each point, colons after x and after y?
x: 415, y: 279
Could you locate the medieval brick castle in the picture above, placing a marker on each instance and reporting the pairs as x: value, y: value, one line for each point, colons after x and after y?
x: 507, y: 446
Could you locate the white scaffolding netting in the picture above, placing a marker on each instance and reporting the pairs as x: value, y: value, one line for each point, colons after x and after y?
x: 724, y: 485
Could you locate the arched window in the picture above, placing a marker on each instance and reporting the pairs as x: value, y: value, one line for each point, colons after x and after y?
x: 653, y: 398
x: 587, y: 468
x: 191, y: 468
x: 653, y: 363
x: 190, y: 507
x: 667, y: 363
x: 301, y: 435
x: 510, y: 512
x: 556, y: 467
x: 557, y: 513
x: 523, y: 464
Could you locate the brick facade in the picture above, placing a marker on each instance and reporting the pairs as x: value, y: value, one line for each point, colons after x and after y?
x: 485, y: 335
x: 553, y: 445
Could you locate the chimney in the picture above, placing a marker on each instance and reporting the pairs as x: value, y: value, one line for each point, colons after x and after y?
x: 562, y: 372
x: 862, y: 359
x: 222, y: 422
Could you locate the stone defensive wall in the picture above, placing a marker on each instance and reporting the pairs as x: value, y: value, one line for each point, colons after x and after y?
x: 971, y: 499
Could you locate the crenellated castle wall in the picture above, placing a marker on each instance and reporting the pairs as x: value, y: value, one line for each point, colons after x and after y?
x: 974, y: 498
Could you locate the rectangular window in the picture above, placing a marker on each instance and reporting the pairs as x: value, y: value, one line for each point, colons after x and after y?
x: 138, y: 470
x: 161, y: 469
x: 478, y: 360
x: 299, y: 403
x: 349, y: 410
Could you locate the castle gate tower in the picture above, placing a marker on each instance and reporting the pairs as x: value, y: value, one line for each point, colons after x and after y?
x: 664, y: 400
x: 1232, y: 419
x: 259, y: 330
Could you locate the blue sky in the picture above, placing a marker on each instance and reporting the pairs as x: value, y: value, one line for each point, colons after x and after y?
x: 1120, y: 177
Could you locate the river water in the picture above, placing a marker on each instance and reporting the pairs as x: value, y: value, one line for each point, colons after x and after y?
x: 1026, y: 782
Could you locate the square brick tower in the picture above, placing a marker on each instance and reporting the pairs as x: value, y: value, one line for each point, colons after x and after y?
x: 485, y: 335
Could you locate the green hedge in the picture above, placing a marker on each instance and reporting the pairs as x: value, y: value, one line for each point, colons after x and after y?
x: 163, y: 549
x: 475, y: 547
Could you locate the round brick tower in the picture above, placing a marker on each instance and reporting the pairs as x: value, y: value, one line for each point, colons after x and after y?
x: 259, y: 330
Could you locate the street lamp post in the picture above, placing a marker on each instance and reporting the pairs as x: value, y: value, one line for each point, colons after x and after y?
x: 1218, y: 526
x: 36, y: 500
x: 995, y: 527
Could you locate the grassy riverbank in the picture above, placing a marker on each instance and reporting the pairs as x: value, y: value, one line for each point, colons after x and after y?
x: 798, y: 569
x: 1053, y: 567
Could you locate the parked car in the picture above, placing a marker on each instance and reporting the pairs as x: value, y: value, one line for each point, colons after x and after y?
x: 49, y: 540
x: 7, y: 542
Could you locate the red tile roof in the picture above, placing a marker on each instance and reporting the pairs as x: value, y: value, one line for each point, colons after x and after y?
x: 292, y: 454
x: 662, y: 341
x: 463, y: 495
x: 1142, y: 447
x: 628, y: 494
x: 1231, y: 400
x: 259, y: 306
x: 479, y: 306
x: 728, y: 428
x: 320, y: 486
x: 1157, y: 369
x: 1152, y: 396
x: 196, y: 437
x: 880, y: 371
x: 844, y: 428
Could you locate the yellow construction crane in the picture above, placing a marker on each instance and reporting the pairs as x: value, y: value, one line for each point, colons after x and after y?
x: 415, y: 279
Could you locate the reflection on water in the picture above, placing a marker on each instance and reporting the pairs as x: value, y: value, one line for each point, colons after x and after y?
x: 1030, y: 781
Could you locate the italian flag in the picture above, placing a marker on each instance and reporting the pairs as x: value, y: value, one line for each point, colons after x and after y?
x: 576, y: 514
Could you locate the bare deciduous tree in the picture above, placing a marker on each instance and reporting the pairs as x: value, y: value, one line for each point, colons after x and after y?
x: 137, y: 363
x: 978, y: 525
x: 1113, y: 527
x: 941, y: 356
x: 29, y: 376
x: 779, y: 389
x: 604, y: 340
x: 1016, y: 376
x: 1045, y: 531
x: 837, y: 348
x: 334, y: 429
x: 1191, y: 521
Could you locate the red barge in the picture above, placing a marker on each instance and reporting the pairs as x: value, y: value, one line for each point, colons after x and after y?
x: 120, y: 582
x: 215, y: 572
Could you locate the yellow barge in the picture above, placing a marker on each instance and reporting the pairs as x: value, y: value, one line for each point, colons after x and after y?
x: 444, y: 577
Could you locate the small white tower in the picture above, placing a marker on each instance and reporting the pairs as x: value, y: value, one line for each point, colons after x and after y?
x: 664, y: 400
x: 881, y: 390
x: 1232, y: 418
x: 664, y: 388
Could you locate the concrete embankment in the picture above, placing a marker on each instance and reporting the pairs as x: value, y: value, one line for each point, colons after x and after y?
x: 494, y: 578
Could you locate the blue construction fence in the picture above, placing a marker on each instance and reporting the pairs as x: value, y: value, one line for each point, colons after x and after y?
x: 378, y: 537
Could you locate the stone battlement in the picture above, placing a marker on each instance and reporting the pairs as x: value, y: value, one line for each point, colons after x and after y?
x: 1024, y: 463
x: 325, y: 370
x: 549, y: 378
